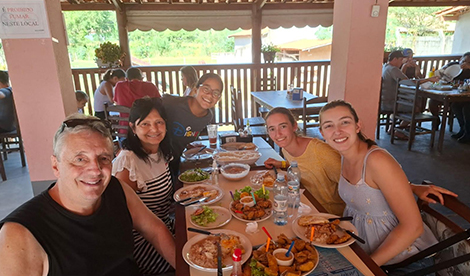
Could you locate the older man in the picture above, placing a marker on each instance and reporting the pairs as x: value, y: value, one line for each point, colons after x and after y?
x: 82, y: 224
x: 462, y: 110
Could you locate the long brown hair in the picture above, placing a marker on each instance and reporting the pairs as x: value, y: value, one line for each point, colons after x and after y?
x: 337, y: 103
x: 284, y: 111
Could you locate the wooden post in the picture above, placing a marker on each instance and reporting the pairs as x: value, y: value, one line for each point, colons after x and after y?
x: 256, y: 46
x: 121, y: 18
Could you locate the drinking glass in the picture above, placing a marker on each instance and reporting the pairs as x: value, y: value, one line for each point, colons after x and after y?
x: 212, y: 133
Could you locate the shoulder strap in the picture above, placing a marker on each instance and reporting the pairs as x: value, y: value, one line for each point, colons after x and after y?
x: 365, y: 161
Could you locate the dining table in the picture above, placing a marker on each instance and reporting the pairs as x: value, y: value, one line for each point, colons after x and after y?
x: 353, y: 253
x: 278, y: 98
x: 446, y: 97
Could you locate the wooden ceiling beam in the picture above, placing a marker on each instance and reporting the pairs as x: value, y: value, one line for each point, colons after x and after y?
x: 118, y: 5
x: 428, y: 3
x: 87, y: 7
x: 260, y: 4
x: 223, y: 6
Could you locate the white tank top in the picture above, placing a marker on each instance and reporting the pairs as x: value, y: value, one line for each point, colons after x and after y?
x: 100, y: 99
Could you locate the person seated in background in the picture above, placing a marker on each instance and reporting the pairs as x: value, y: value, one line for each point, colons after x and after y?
x: 7, y: 109
x: 376, y: 192
x: 104, y: 92
x: 82, y: 224
x: 410, y: 66
x: 143, y: 165
x: 126, y: 92
x: 189, y: 78
x: 188, y: 116
x: 82, y: 100
x: 462, y: 110
x: 455, y: 69
x: 319, y: 163
x: 390, y: 74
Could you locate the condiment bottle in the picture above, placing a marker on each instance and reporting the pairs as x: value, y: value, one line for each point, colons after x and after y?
x: 237, y: 262
x: 215, y: 173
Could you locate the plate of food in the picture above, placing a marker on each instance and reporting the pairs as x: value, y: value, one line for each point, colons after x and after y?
x: 200, y: 252
x: 245, y: 209
x: 206, y: 217
x: 305, y: 258
x: 198, y: 191
x: 232, y: 146
x: 194, y: 176
x: 198, y: 153
x: 238, y: 156
x: 265, y: 177
x: 325, y: 234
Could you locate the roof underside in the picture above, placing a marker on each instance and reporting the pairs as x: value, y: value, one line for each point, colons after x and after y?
x: 227, y: 14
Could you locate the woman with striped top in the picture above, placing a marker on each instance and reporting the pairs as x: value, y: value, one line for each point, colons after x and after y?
x: 143, y: 165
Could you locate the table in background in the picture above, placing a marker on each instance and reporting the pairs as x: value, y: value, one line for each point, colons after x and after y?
x: 445, y: 97
x: 353, y: 253
x: 278, y: 98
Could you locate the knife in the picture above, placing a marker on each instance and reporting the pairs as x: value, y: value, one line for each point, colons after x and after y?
x: 197, y: 152
x: 340, y: 219
x: 352, y: 234
x: 219, y: 260
x: 183, y: 200
x: 199, y: 231
x: 196, y: 201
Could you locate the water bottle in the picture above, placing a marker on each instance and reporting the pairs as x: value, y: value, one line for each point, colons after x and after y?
x: 293, y: 194
x: 215, y: 173
x: 280, y: 201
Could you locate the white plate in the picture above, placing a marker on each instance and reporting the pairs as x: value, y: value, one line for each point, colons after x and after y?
x: 194, y: 182
x: 238, y: 156
x: 300, y: 231
x: 177, y: 196
x: 269, y: 213
x: 232, y: 146
x: 223, y: 217
x: 315, y: 265
x: 203, y: 155
x: 228, y: 262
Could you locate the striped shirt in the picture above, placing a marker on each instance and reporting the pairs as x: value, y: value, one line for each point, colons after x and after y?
x: 155, y: 190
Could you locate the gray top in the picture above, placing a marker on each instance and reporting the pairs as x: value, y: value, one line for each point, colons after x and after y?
x: 183, y: 126
x: 373, y: 217
x: 7, y: 111
x: 390, y: 74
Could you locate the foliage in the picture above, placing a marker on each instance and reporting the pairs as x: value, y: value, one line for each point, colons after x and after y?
x: 324, y: 33
x: 389, y: 48
x: 412, y: 22
x: 108, y: 52
x: 269, y: 48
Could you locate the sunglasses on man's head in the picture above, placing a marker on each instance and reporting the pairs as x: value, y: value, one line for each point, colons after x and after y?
x: 83, y: 122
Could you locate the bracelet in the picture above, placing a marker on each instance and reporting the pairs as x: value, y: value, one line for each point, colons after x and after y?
x: 283, y: 164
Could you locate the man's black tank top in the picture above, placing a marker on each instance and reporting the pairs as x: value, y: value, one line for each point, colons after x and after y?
x: 99, y: 244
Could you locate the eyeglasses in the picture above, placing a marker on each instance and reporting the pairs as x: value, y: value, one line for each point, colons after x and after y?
x: 83, y: 122
x: 207, y: 90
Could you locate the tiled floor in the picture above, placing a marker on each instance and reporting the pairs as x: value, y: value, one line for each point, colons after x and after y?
x: 450, y: 169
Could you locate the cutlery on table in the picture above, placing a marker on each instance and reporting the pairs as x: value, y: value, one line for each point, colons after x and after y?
x: 359, y: 239
x: 219, y: 260
x: 340, y: 219
x: 222, y: 235
x: 196, y: 201
x: 275, y: 171
x: 186, y: 199
x: 196, y: 153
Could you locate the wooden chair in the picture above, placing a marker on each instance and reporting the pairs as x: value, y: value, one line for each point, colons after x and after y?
x: 238, y: 120
x: 311, y: 112
x: 8, y: 140
x: 118, y: 123
x: 383, y: 116
x: 267, y: 84
x: 451, y: 237
x: 405, y: 108
x: 254, y: 121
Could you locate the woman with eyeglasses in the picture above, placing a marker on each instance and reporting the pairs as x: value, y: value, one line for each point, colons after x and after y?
x: 188, y: 116
x: 143, y: 165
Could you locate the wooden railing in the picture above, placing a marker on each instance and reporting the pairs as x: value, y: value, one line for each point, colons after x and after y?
x: 313, y: 76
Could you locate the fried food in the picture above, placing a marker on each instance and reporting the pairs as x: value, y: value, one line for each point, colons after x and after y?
x: 311, y: 220
x: 306, y: 266
x: 299, y: 245
x: 258, y: 211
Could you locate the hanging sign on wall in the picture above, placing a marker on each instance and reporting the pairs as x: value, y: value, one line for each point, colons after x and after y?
x: 23, y: 19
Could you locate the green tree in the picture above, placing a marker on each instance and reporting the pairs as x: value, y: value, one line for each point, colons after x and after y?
x: 324, y: 33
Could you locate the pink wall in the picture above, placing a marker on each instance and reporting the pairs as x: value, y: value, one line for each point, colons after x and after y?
x: 41, y: 79
x: 357, y: 53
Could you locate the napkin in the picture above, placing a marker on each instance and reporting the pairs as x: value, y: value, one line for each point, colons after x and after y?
x: 251, y: 227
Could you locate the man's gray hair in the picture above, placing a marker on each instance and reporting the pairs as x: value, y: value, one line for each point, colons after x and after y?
x: 93, y: 124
